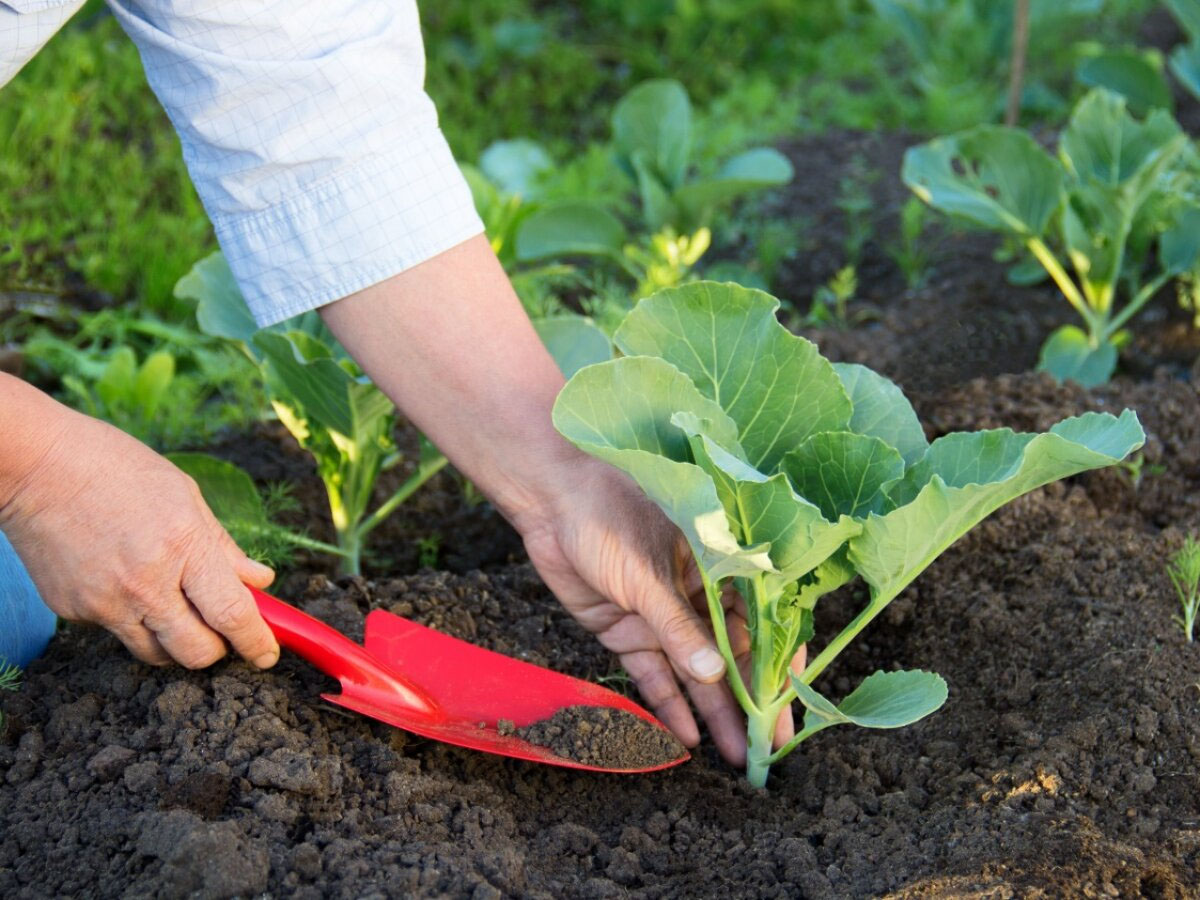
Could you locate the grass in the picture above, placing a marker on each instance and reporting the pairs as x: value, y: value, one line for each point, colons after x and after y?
x: 92, y: 182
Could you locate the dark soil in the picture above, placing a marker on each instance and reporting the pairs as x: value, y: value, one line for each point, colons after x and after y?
x: 599, y: 736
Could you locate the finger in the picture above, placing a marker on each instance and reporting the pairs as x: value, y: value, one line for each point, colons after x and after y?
x: 229, y: 609
x: 785, y: 727
x: 142, y: 643
x: 725, y: 720
x: 248, y: 570
x: 682, y: 634
x: 657, y: 684
x: 184, y: 635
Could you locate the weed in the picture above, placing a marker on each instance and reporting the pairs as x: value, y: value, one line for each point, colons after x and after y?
x: 1184, y: 571
x: 429, y: 549
x: 910, y: 253
x: 854, y: 200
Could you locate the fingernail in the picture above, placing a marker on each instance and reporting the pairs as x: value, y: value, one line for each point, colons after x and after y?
x: 706, y: 663
x: 267, y: 660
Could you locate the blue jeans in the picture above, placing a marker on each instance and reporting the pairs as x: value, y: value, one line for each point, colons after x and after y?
x: 26, y: 623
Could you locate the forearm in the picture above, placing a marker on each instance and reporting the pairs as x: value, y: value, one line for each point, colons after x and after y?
x: 30, y: 424
x: 449, y: 342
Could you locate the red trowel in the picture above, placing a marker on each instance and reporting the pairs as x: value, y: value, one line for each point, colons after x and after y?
x: 443, y: 688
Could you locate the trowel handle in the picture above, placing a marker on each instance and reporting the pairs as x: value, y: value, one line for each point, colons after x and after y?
x: 336, y: 655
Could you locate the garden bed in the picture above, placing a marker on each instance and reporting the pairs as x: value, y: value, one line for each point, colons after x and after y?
x: 1064, y: 762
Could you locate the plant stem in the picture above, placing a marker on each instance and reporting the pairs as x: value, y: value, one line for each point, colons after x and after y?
x: 424, y: 472
x: 760, y: 725
x: 1131, y: 308
x: 795, y: 742
x: 716, y: 613
x: 351, y: 553
x: 760, y: 729
x: 1052, y: 266
x: 831, y: 651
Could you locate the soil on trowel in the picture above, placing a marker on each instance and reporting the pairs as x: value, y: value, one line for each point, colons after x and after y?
x: 604, y: 737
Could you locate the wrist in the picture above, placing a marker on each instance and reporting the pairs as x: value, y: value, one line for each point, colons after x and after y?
x: 31, y: 426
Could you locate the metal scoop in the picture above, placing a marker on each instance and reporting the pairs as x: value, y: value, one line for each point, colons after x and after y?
x: 449, y: 691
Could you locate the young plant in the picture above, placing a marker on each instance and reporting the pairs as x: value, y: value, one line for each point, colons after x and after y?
x: 652, y: 140
x: 162, y: 383
x: 1184, y: 571
x: 1118, y: 187
x: 789, y: 476
x: 910, y: 252
x: 10, y: 680
x: 830, y: 301
x: 324, y: 400
x: 855, y: 201
x: 652, y: 135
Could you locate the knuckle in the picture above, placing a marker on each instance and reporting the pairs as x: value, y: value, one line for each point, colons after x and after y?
x: 230, y: 616
x: 677, y: 628
x: 658, y: 687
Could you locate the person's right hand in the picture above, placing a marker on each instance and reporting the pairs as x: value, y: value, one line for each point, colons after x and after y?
x: 113, y: 534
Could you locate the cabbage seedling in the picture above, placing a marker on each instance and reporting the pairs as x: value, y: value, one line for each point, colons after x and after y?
x: 1118, y: 186
x: 1184, y: 571
x: 324, y: 400
x: 789, y: 476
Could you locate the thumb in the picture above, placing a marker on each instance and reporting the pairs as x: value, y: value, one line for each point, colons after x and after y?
x: 251, y: 572
x: 248, y: 570
x: 683, y: 635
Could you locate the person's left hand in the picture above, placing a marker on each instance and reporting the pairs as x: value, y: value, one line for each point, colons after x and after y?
x: 625, y: 573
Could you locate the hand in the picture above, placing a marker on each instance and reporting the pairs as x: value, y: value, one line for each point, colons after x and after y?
x: 113, y: 534
x: 626, y: 574
x: 449, y: 342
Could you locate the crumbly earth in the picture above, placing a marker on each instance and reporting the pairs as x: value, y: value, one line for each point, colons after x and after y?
x: 599, y: 736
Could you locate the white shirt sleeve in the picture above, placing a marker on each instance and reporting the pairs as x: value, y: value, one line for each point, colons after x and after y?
x: 309, y: 137
x: 25, y: 25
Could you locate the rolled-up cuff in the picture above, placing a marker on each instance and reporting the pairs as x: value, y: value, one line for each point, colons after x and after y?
x: 360, y: 226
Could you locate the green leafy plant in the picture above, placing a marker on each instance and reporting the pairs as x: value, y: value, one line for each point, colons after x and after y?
x: 830, y: 301
x: 1184, y: 61
x: 1118, y: 187
x: 789, y: 476
x: 855, y: 201
x: 245, y: 512
x: 909, y: 251
x: 1184, y: 571
x: 332, y: 410
x: 164, y: 384
x: 10, y: 680
x: 652, y: 135
x: 652, y: 143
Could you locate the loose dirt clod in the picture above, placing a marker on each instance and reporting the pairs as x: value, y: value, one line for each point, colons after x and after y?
x: 600, y: 736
